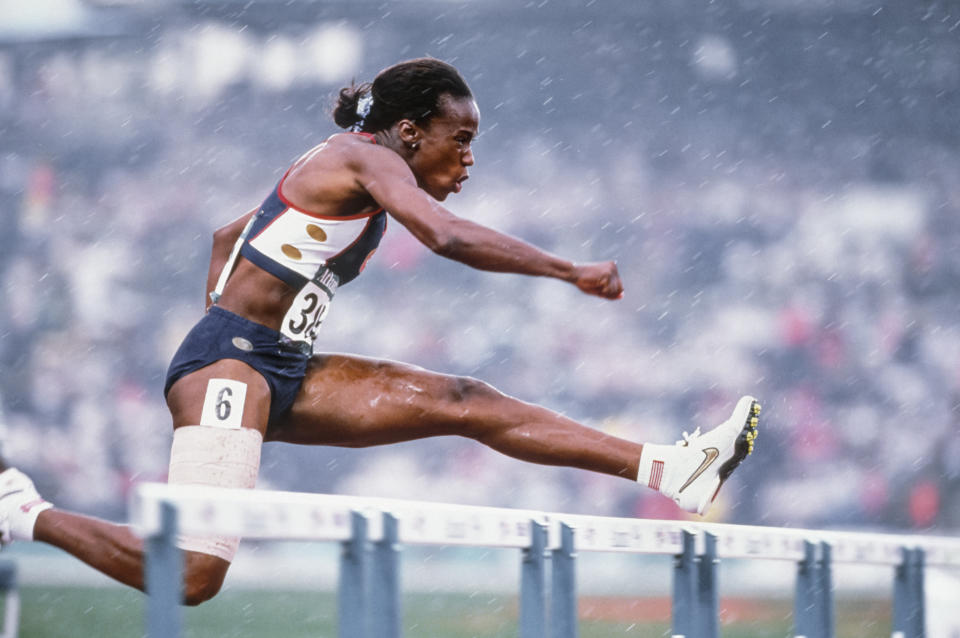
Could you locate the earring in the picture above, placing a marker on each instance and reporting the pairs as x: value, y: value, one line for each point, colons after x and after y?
x: 414, y: 146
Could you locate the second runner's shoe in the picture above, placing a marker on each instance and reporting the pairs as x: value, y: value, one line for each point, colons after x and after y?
x: 20, y: 505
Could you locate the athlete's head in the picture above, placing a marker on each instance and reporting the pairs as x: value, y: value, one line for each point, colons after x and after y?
x: 429, y: 110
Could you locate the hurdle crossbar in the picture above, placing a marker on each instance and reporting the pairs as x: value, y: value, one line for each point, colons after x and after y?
x: 372, y: 531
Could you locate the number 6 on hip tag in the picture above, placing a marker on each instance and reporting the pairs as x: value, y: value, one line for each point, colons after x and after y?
x: 223, y: 405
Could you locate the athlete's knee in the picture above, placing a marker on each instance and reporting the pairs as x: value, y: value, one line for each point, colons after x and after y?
x: 474, y: 409
x: 463, y: 389
x: 203, y: 576
x: 429, y: 385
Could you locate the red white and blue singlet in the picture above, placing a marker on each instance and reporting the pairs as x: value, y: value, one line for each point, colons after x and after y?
x: 313, y: 254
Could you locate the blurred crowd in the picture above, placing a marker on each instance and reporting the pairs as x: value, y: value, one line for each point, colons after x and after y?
x: 786, y: 220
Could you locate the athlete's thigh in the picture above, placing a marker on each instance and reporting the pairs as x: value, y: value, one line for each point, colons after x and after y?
x: 192, y: 392
x: 348, y: 400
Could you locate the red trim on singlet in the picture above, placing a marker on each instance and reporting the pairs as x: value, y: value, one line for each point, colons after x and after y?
x: 319, y: 215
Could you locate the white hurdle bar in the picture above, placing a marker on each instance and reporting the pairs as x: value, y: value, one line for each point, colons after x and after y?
x: 373, y: 530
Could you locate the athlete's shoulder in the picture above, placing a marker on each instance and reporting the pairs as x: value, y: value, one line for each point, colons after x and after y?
x: 349, y: 147
x: 356, y: 157
x: 354, y: 137
x: 350, y: 142
x: 339, y: 152
x: 365, y: 155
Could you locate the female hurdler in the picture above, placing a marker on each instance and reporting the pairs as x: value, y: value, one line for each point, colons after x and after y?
x: 246, y: 374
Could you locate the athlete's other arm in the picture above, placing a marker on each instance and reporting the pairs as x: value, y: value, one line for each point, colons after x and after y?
x: 223, y: 240
x: 391, y: 183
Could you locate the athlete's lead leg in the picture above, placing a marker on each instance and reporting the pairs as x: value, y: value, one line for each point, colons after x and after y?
x: 354, y: 401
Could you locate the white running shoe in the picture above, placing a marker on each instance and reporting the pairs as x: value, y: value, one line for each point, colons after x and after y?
x: 20, y: 505
x: 705, y: 461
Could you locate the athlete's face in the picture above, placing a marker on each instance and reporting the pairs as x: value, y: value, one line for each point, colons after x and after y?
x: 441, y: 161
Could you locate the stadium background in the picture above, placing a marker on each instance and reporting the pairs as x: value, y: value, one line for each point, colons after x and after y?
x: 777, y: 180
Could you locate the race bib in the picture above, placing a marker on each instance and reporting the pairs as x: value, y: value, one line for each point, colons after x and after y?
x: 223, y: 404
x: 306, y: 313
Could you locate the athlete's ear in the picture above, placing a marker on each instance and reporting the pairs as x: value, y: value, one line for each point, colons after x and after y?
x: 410, y: 134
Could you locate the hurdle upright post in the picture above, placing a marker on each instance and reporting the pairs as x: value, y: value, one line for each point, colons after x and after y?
x: 708, y: 595
x: 533, y: 590
x: 164, y: 577
x: 563, y: 596
x: 806, y: 610
x: 909, y: 617
x: 919, y: 615
x: 685, y: 588
x: 11, y: 599
x: 825, y: 589
x: 352, y: 609
x: 385, y: 582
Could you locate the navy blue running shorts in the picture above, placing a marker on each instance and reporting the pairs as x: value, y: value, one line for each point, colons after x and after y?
x: 224, y: 335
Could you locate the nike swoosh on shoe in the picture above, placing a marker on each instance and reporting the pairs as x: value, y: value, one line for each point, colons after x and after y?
x: 710, y: 454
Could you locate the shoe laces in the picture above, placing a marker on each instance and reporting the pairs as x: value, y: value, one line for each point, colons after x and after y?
x: 687, y: 438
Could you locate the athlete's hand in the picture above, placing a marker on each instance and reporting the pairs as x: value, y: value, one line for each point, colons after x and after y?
x: 598, y: 278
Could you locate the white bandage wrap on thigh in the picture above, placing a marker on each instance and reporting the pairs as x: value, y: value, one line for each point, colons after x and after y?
x: 215, y: 457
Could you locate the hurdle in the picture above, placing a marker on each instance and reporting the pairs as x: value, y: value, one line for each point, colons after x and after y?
x: 373, y: 531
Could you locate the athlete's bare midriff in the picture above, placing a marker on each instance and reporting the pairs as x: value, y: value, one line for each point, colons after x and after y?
x: 256, y: 295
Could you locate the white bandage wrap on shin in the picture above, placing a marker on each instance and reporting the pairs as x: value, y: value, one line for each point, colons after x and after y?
x: 215, y: 457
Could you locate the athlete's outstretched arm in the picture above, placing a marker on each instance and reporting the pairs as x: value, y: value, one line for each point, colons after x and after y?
x: 388, y: 179
x: 223, y: 240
